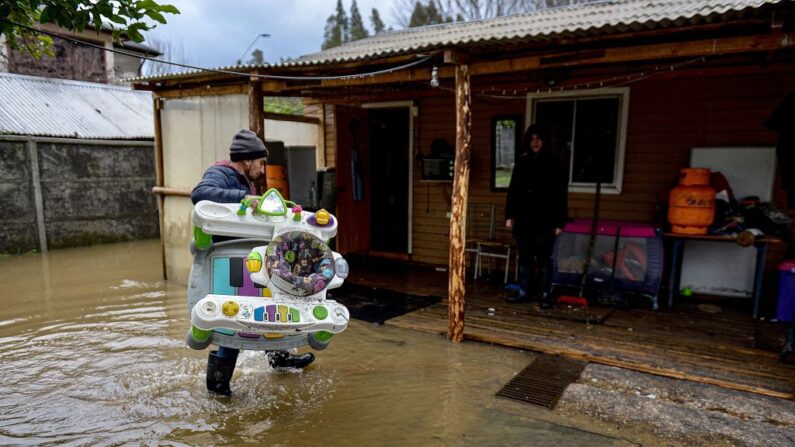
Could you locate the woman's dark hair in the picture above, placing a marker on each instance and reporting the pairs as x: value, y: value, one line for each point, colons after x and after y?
x: 541, y: 132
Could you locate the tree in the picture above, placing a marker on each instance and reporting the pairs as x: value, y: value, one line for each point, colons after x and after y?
x: 127, y: 17
x: 170, y: 50
x: 419, y: 16
x: 337, y: 28
x: 376, y: 22
x: 428, y: 14
x: 358, y: 31
x: 467, y: 10
x: 284, y: 105
x: 257, y: 57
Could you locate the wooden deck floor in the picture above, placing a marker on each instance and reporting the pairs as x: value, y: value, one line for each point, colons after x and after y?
x: 686, y: 343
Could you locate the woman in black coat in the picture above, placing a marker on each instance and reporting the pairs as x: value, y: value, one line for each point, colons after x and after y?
x: 536, y: 210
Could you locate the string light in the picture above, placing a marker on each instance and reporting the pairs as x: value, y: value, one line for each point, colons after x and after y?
x: 614, y: 81
x: 435, y: 76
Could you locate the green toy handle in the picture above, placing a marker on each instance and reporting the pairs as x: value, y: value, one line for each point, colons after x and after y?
x: 246, y: 203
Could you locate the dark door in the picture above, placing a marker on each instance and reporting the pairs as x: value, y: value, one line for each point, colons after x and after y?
x: 389, y: 162
x: 353, y: 189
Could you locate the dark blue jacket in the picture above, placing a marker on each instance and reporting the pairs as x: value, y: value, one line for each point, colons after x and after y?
x: 223, y: 184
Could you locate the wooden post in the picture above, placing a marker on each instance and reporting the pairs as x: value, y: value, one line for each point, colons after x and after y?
x: 256, y: 120
x: 457, y: 268
x: 160, y: 180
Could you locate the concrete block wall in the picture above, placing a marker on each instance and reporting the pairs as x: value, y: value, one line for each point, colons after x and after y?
x: 18, y: 231
x: 90, y: 192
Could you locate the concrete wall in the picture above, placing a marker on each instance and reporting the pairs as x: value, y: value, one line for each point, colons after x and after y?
x: 125, y: 67
x: 79, y: 63
x: 18, y: 231
x: 3, y: 54
x: 74, y: 193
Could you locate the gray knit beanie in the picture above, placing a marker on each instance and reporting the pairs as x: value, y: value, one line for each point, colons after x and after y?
x: 246, y: 145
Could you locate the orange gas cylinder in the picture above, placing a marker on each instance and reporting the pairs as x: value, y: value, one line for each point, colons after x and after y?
x: 276, y: 177
x: 691, y: 204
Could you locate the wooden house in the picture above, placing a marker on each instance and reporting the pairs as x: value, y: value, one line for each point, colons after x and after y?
x: 654, y: 79
x: 422, y: 124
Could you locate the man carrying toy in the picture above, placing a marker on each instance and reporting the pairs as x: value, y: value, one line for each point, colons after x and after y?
x: 231, y: 181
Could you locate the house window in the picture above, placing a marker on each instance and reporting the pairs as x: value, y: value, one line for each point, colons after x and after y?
x: 587, y: 129
x: 506, y: 135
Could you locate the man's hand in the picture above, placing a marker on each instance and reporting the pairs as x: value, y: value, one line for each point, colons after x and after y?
x: 509, y: 224
x: 558, y: 231
x: 253, y: 201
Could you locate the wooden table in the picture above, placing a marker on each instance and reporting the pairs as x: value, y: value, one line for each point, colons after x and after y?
x: 676, y: 261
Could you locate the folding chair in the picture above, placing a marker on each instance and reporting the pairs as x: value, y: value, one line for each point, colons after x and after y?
x: 490, y: 239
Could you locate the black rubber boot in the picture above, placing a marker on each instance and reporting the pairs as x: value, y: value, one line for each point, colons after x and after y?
x: 525, y: 285
x: 546, y: 286
x: 283, y: 359
x: 788, y: 353
x: 219, y: 373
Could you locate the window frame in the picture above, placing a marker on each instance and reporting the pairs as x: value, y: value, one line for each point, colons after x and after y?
x: 518, y: 131
x: 622, y: 93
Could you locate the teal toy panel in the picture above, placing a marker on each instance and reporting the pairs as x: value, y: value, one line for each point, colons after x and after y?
x: 221, y: 272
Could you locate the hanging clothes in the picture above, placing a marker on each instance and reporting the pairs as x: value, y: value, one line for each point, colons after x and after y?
x: 357, y: 182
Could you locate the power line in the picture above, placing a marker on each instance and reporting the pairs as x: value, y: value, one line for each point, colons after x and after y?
x: 218, y: 70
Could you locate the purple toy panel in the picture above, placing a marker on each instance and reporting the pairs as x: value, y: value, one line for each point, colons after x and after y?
x: 302, y: 260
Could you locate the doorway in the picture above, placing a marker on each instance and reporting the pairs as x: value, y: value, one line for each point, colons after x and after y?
x: 389, y: 180
x: 374, y: 172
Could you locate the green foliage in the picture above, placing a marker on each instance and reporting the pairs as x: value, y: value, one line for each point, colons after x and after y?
x: 358, y: 31
x: 429, y: 14
x: 257, y: 57
x: 376, y: 22
x: 337, y: 28
x: 126, y: 16
x: 284, y: 105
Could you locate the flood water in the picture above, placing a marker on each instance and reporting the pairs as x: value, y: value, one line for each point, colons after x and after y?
x: 93, y: 353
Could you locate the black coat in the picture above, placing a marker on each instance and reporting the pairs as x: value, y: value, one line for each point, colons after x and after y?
x: 782, y: 121
x: 537, y: 196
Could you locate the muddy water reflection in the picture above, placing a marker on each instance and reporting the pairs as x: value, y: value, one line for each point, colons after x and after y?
x: 93, y: 354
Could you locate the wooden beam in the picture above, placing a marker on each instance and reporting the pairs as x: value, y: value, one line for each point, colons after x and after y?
x: 164, y: 191
x: 292, y: 118
x: 638, y: 53
x: 623, y: 54
x: 457, y: 266
x: 410, y: 75
x: 539, y: 346
x: 256, y: 122
x: 455, y: 57
x: 206, y: 90
x: 157, y: 102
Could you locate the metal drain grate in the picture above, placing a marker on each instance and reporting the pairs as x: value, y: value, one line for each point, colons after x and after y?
x: 543, y: 381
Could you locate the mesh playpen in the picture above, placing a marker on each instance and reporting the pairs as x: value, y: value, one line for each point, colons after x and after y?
x: 639, y: 262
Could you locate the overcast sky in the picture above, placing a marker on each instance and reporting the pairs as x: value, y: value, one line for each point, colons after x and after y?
x: 215, y: 33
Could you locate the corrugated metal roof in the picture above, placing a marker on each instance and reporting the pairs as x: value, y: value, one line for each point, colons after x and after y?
x: 610, y: 16
x: 589, y: 18
x: 32, y: 105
